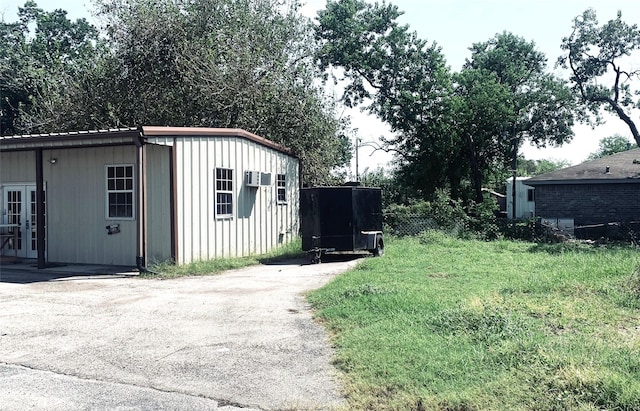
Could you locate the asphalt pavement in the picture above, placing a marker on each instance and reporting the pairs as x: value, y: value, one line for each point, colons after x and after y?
x: 244, y: 339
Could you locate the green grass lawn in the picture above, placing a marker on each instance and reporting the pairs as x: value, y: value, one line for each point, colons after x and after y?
x: 447, y: 324
x: 218, y: 265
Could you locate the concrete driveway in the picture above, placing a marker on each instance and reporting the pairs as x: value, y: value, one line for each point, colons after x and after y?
x: 242, y: 339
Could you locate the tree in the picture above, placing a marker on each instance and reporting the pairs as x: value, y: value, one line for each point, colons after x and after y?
x: 540, y: 106
x: 610, y: 145
x: 530, y: 168
x: 231, y: 63
x: 481, y: 110
x: 543, y: 106
x: 41, y: 70
x: 596, y: 57
x: 213, y: 63
x: 401, y: 79
x: 450, y: 130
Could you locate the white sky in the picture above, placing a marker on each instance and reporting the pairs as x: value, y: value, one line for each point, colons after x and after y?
x: 455, y: 25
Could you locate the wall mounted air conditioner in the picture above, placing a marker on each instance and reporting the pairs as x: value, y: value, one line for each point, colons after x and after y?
x: 252, y: 178
x: 265, y: 179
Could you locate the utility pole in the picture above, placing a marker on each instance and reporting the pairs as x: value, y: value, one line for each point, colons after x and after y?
x: 360, y: 143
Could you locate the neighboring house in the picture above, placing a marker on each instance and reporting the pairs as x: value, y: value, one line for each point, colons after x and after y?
x: 525, y: 198
x: 141, y: 195
x: 602, y: 191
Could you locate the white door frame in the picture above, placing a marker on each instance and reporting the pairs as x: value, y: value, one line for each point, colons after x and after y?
x: 19, y: 207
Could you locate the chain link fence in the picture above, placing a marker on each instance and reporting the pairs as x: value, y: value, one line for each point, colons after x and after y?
x: 411, y: 224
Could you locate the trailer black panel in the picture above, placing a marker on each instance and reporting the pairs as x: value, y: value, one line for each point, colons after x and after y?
x: 345, y: 218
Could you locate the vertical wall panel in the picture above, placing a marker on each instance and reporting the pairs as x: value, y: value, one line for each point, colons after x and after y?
x: 257, y: 221
x: 158, y: 204
x: 76, y: 207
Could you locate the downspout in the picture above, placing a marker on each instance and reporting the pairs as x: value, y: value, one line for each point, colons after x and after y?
x: 173, y: 192
x: 40, y: 209
x: 141, y: 151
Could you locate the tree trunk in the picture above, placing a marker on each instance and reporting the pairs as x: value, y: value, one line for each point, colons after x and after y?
x: 476, y: 172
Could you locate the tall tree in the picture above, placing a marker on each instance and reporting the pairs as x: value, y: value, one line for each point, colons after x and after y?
x: 43, y: 58
x: 401, y: 79
x: 481, y: 111
x: 214, y: 63
x: 601, y: 72
x: 450, y: 130
x: 543, y: 106
x: 610, y: 145
x: 229, y: 63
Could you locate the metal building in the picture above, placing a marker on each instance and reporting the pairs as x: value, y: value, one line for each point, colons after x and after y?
x: 141, y: 195
x: 525, y: 199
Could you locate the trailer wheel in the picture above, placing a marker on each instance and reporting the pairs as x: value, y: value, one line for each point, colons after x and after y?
x: 379, y: 250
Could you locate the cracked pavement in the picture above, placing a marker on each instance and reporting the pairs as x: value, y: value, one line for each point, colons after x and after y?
x: 244, y: 339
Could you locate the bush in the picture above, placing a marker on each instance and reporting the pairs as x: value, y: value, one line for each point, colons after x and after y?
x: 445, y: 214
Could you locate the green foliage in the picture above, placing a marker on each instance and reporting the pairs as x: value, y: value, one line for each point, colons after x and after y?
x: 211, y: 63
x: 597, y: 56
x: 445, y: 323
x: 445, y: 214
x: 530, y: 168
x: 44, y: 59
x: 610, y: 145
x: 542, y: 105
x: 453, y: 131
x: 405, y: 80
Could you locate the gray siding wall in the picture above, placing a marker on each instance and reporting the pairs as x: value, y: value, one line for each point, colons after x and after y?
x: 158, y: 160
x: 18, y: 167
x: 589, y: 203
x: 76, y: 192
x: 258, y: 223
x: 76, y: 188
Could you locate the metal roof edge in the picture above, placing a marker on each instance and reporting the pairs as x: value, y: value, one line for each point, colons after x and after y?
x: 149, y: 131
x: 583, y: 182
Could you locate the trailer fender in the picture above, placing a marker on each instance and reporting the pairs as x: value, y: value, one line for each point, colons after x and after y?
x: 375, y: 243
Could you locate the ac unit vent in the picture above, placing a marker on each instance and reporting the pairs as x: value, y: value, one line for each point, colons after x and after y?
x: 265, y: 179
x: 252, y: 178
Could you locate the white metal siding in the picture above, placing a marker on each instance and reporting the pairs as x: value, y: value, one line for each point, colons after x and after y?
x: 524, y: 208
x: 258, y: 224
x: 18, y: 167
x: 158, y: 163
x: 76, y: 201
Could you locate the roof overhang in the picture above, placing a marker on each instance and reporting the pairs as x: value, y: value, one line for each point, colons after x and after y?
x: 583, y: 182
x: 127, y: 136
x: 75, y: 139
x: 180, y: 132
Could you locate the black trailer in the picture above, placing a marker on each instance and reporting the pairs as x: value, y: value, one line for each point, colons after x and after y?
x: 345, y: 218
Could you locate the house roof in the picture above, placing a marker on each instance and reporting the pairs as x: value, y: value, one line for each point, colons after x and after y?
x: 622, y: 167
x: 125, y: 136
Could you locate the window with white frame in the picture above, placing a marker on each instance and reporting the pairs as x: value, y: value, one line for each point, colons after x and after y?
x: 224, y: 192
x: 119, y: 192
x: 281, y: 188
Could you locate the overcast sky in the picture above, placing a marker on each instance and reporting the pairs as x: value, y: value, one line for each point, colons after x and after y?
x: 455, y: 25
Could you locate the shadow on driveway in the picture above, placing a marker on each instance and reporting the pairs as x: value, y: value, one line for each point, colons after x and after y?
x: 26, y: 272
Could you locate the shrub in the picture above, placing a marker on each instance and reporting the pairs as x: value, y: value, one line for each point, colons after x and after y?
x: 446, y: 214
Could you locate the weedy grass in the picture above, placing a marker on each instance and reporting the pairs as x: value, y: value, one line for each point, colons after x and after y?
x: 168, y: 269
x: 447, y: 324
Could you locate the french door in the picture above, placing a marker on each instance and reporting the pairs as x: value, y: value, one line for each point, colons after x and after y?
x: 20, y: 209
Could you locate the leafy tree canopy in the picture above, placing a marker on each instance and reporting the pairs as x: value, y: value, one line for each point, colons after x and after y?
x: 451, y: 129
x: 530, y: 168
x: 214, y: 63
x: 610, y: 145
x: 601, y: 72
x: 41, y: 68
